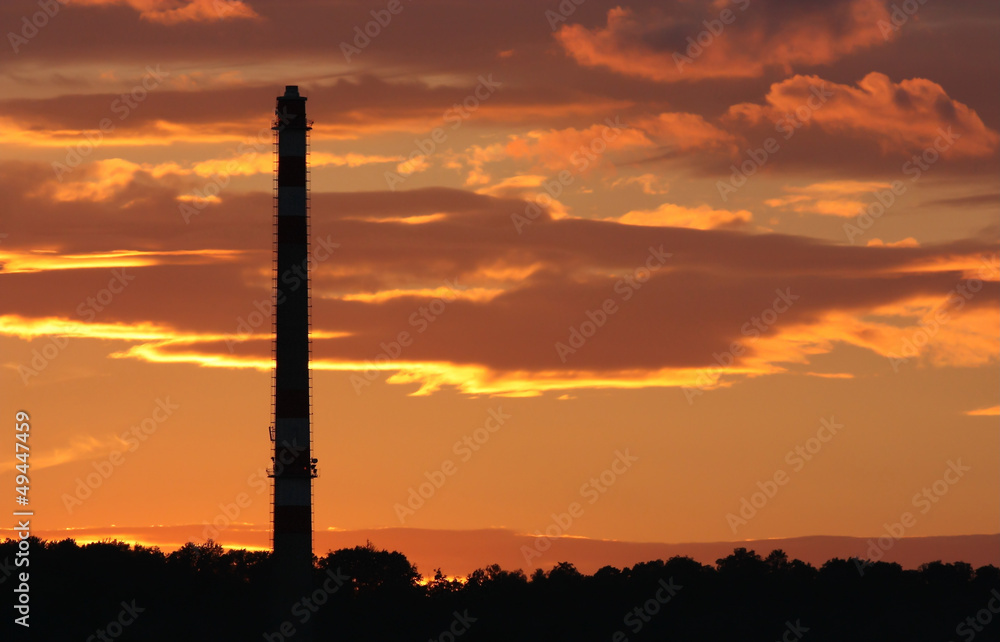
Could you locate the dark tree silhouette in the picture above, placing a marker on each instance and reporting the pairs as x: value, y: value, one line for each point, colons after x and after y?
x: 203, y: 592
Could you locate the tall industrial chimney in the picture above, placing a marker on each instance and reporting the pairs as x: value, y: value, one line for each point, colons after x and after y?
x: 293, y: 467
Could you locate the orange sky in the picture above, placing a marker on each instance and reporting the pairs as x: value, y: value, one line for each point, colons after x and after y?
x: 764, y: 265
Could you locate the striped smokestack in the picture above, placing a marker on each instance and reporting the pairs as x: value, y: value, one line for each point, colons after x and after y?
x: 294, y: 467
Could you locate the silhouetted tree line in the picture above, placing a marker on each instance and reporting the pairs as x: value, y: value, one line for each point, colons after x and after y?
x: 201, y: 592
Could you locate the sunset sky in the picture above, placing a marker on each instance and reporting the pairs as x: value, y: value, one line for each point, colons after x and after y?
x: 650, y: 258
